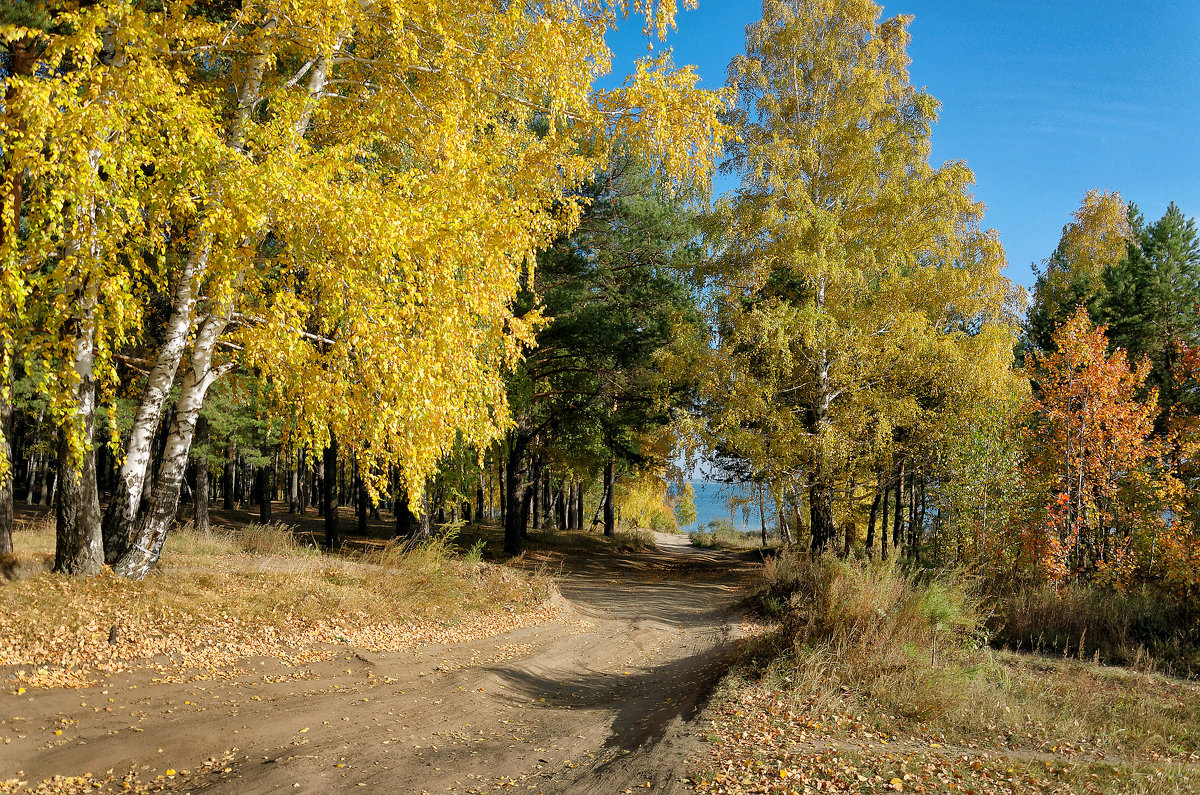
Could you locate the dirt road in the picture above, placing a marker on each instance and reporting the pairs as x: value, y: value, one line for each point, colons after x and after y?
x: 597, y: 700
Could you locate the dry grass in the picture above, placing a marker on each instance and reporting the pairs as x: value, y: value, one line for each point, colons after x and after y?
x: 876, y: 630
x: 633, y: 541
x: 877, y: 675
x: 210, y: 602
x: 1146, y: 629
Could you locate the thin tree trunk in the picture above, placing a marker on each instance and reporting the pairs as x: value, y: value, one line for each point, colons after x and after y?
x: 293, y: 481
x: 31, y: 477
x: 870, y: 542
x: 536, y: 504
x: 407, y: 522
x: 502, y: 489
x: 898, y: 516
x: 479, y: 501
x: 883, y: 525
x: 526, y: 509
x: 329, y: 500
x: 49, y: 482
x: 230, y: 477
x: 762, y: 516
x: 562, y: 504
x: 610, y: 483
x: 514, y: 495
x: 363, y: 501
x: 200, y: 461
x: 263, y: 482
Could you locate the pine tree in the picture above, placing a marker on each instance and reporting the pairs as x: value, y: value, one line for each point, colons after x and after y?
x: 1152, y: 302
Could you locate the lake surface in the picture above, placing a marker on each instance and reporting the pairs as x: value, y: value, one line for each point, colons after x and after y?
x: 712, y: 502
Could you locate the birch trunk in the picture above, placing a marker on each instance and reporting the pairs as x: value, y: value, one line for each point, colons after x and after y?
x: 155, y: 522
x: 131, y: 480
x: 79, y: 547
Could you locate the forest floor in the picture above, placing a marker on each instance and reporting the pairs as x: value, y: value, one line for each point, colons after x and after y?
x: 595, y: 693
x: 640, y: 671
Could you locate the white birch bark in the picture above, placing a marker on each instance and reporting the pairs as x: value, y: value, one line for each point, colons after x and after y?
x: 123, y: 509
x: 155, y: 522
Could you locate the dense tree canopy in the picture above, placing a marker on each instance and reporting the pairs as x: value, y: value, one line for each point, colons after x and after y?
x: 851, y: 280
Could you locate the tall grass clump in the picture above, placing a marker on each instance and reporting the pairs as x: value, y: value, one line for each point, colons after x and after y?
x: 633, y: 541
x: 1144, y: 627
x: 269, y: 539
x: 905, y: 639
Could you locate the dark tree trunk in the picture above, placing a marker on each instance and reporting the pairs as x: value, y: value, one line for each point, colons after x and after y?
x: 80, y: 547
x: 329, y: 500
x: 883, y: 524
x: 526, y: 509
x: 230, y: 477
x: 502, y: 489
x: 820, y: 516
x: 479, y: 500
x: 912, y: 516
x: 46, y: 491
x: 408, y: 524
x: 569, y: 497
x: 610, y: 482
x: 870, y: 542
x: 762, y: 517
x: 515, y: 490
x: 536, y: 504
x: 200, y: 462
x: 294, y: 482
x: 263, y: 478
x: 364, y: 501
x: 561, y: 505
x: 579, y: 509
x: 851, y: 529
x: 303, y: 482
x: 898, y: 516
x: 31, y: 478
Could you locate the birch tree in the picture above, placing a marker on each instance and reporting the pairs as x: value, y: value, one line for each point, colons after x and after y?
x: 345, y: 196
x: 844, y: 263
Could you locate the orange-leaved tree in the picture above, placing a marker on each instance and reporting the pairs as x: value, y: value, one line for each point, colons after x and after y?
x: 1101, y: 496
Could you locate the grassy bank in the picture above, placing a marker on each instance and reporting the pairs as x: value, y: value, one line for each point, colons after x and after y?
x: 217, y: 598
x: 879, y: 679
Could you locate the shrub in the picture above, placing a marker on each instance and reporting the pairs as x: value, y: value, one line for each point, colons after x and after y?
x: 903, y: 638
x: 634, y: 541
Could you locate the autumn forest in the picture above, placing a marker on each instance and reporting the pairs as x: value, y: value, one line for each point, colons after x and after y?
x: 347, y: 327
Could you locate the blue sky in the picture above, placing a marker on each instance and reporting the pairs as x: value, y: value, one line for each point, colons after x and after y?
x: 1044, y: 100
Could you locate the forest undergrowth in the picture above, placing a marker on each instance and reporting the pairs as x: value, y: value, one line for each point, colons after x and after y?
x: 220, y: 597
x: 879, y: 678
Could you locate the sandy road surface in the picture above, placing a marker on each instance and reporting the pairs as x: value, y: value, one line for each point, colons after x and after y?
x: 597, y: 700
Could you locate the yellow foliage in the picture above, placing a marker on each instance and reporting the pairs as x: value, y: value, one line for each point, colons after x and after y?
x: 360, y: 186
